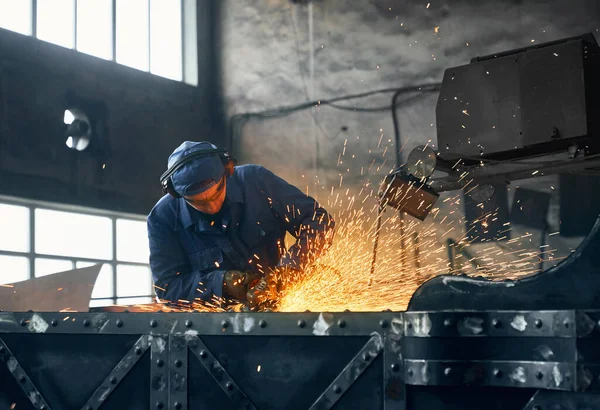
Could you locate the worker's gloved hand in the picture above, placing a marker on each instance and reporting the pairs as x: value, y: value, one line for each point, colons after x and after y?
x: 236, y: 284
x: 266, y: 292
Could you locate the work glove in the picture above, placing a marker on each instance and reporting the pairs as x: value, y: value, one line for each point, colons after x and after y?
x: 266, y: 292
x: 236, y: 284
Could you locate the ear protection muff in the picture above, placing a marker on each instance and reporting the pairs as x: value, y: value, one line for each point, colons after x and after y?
x: 166, y: 181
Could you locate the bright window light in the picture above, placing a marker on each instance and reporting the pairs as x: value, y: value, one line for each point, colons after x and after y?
x: 13, y: 269
x: 14, y: 228
x: 165, y: 39
x: 94, y: 28
x: 15, y: 15
x: 101, y: 302
x: 73, y: 234
x: 133, y: 281
x: 134, y: 301
x: 132, y: 241
x: 46, y: 266
x: 132, y: 33
x: 56, y: 22
x: 103, y: 288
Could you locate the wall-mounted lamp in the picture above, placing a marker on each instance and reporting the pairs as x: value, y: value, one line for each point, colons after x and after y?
x: 79, y: 129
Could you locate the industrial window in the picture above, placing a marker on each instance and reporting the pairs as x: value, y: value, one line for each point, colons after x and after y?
x: 42, y: 239
x: 144, y: 34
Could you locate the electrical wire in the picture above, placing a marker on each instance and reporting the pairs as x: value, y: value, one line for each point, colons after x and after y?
x: 238, y: 121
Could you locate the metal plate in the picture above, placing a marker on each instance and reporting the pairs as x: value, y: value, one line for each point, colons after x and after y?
x: 490, y: 324
x: 543, y: 375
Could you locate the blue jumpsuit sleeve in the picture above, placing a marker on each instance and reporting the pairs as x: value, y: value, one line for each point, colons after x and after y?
x: 173, y: 276
x: 311, y: 225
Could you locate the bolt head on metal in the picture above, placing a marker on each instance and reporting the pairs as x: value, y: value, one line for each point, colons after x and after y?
x: 23, y: 322
x: 341, y: 323
x: 225, y: 324
x: 538, y: 323
x: 447, y: 322
x: 159, y: 405
x: 409, y: 325
x: 229, y: 386
x: 153, y: 323
x: 113, y: 380
x: 497, y: 373
x: 409, y: 372
x: 43, y: 407
x: 395, y: 367
x: 539, y: 375
x: 86, y: 322
x: 301, y: 323
x: 22, y: 379
x: 203, y: 354
x: 447, y: 371
x: 337, y: 389
x: 497, y: 323
x: 177, y: 405
x: 54, y: 322
x: 383, y: 323
x: 366, y: 356
x: 177, y: 363
x: 1, y: 349
x: 262, y: 323
x: 138, y: 350
x: 119, y: 323
x: 160, y: 362
x: 188, y: 323
x: 566, y: 323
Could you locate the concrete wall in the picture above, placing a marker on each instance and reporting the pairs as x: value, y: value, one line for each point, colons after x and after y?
x: 146, y: 117
x: 363, y: 45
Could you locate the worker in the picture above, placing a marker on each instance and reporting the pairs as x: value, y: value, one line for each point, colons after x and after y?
x: 218, y: 233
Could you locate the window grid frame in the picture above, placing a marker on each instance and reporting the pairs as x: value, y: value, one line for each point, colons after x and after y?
x: 113, y: 58
x: 32, y: 255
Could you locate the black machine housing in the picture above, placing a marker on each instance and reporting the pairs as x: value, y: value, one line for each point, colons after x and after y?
x: 521, y: 103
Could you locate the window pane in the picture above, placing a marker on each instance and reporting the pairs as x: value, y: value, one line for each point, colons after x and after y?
x: 13, y: 269
x: 45, y: 267
x: 133, y: 281
x: 132, y: 241
x: 56, y: 21
x: 15, y: 15
x: 73, y: 234
x: 94, y: 27
x: 101, y: 302
x: 14, y: 228
x: 132, y: 33
x: 165, y: 38
x: 103, y: 288
x: 134, y: 301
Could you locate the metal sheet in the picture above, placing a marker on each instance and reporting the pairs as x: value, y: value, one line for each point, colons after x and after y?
x: 219, y: 374
x: 30, y: 390
x: 542, y: 375
x: 490, y: 324
x: 350, y: 374
x: 70, y: 290
x: 563, y: 401
x: 118, y: 374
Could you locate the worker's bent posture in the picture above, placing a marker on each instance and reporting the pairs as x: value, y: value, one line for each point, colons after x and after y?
x: 221, y: 228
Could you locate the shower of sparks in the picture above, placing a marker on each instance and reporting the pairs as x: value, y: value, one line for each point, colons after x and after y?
x: 339, y: 280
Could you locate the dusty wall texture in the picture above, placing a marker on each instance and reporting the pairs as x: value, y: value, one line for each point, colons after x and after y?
x: 364, y: 45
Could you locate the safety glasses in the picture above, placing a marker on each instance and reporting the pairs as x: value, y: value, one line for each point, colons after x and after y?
x: 211, y: 198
